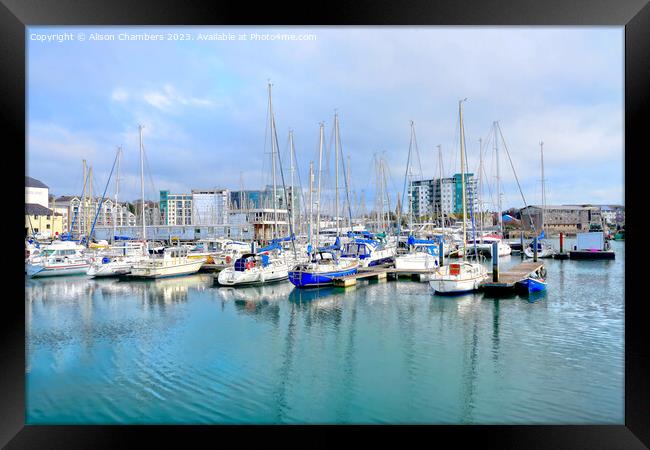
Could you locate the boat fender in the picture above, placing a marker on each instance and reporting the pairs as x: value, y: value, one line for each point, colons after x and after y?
x: 248, y: 265
x: 228, y: 259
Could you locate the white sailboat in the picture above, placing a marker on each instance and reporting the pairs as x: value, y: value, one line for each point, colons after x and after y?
x: 422, y: 254
x: 464, y: 276
x: 173, y: 261
x: 117, y: 260
x: 269, y: 264
x: 544, y: 249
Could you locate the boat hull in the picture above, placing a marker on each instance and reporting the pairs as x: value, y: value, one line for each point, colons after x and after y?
x: 304, y: 279
x: 411, y: 262
x: 38, y: 271
x: 544, y: 253
x: 530, y: 285
x: 442, y: 286
x: 109, y: 270
x: 231, y: 277
x: 171, y: 270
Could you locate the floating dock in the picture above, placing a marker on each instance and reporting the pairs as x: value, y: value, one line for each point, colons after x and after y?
x: 589, y: 254
x: 380, y: 273
x: 509, y: 278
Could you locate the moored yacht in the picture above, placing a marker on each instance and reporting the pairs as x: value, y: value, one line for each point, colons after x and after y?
x: 173, y: 261
x: 422, y: 256
x: 58, y: 258
x: 254, y: 268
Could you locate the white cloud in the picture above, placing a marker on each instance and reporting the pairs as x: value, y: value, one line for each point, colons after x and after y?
x: 168, y: 98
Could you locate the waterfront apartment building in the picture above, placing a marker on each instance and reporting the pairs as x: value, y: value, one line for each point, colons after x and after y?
x: 210, y: 206
x: 175, y: 209
x: 429, y: 197
x: 256, y: 199
x: 78, y: 214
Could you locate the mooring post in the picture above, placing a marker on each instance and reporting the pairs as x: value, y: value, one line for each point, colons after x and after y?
x: 561, y: 243
x: 521, y: 240
x: 441, y: 252
x: 495, y: 261
x: 535, y: 249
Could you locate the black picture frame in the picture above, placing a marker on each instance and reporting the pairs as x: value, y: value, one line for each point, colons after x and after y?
x: 634, y: 15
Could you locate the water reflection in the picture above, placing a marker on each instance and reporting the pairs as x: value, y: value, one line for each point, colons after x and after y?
x: 383, y: 352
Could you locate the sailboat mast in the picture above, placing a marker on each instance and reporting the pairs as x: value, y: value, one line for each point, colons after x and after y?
x: 336, y: 163
x: 480, y: 186
x: 496, y: 150
x: 273, y: 150
x: 541, y: 149
x: 90, y: 198
x: 82, y: 203
x: 311, y: 200
x: 442, y: 209
x: 117, y: 192
x: 320, y: 172
x: 144, y: 227
x: 462, y: 170
x: 291, y: 157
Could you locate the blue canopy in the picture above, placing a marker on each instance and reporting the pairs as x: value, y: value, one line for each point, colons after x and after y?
x: 284, y: 239
x: 541, y: 235
x: 366, y: 241
x: 508, y: 218
x: 365, y: 234
x: 335, y: 246
x: 265, y: 260
x: 122, y: 238
x: 413, y: 241
x: 268, y: 248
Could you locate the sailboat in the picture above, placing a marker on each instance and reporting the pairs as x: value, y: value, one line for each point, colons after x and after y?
x: 544, y: 249
x: 173, y: 261
x: 422, y: 254
x: 324, y: 265
x: 463, y: 276
x: 270, y: 263
x: 116, y: 259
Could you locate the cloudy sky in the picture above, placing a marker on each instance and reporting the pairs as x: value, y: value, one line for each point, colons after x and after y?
x: 204, y: 105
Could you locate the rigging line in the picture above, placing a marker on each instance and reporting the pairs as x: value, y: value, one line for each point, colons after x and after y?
x: 99, y: 207
x: 284, y: 187
x: 345, y: 179
x: 532, y: 225
x: 153, y: 185
x: 408, y: 164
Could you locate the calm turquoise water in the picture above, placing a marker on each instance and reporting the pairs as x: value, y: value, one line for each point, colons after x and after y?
x: 184, y: 351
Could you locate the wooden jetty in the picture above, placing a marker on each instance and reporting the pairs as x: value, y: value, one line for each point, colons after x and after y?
x: 379, y: 273
x: 509, y: 278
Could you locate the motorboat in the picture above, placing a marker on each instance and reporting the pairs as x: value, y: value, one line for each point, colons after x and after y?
x: 172, y: 261
x: 57, y: 259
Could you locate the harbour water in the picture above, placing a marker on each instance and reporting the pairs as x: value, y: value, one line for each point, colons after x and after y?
x: 182, y: 350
